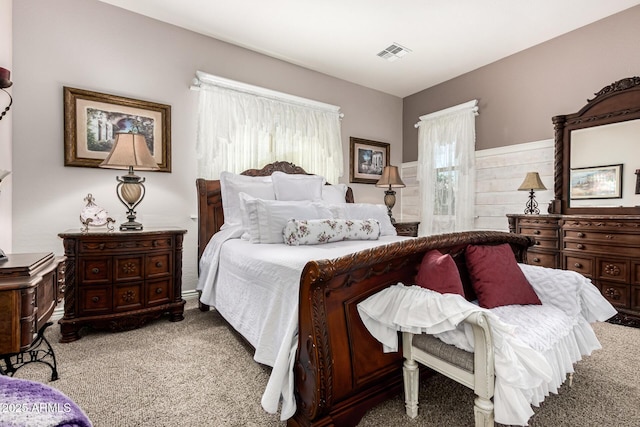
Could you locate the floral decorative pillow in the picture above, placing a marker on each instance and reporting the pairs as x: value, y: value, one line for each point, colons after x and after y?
x: 318, y: 231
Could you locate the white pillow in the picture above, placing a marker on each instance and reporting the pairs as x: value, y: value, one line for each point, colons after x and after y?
x: 297, y: 186
x: 231, y: 185
x: 365, y: 211
x: 267, y: 218
x: 335, y: 193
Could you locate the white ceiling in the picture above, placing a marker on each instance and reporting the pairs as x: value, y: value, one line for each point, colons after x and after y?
x: 342, y: 38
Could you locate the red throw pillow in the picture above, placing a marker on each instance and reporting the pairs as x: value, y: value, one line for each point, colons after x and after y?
x: 439, y: 273
x: 496, y: 277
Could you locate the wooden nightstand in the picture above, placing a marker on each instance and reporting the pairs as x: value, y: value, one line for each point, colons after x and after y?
x: 119, y: 280
x: 407, y: 228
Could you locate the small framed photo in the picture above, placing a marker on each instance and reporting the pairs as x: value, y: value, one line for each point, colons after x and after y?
x: 597, y: 182
x: 367, y: 160
x: 92, y: 120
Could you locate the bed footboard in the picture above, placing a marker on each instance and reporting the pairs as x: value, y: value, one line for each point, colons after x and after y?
x: 340, y: 369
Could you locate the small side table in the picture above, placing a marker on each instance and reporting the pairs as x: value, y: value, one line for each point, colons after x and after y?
x: 119, y: 280
x: 31, y: 284
x: 409, y: 229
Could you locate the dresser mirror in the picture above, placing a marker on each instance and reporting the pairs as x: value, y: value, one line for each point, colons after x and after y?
x: 597, y: 152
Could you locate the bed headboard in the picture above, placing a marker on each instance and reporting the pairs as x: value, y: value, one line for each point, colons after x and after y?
x: 210, y: 215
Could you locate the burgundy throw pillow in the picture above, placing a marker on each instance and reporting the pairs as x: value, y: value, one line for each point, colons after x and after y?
x: 439, y: 273
x: 496, y: 277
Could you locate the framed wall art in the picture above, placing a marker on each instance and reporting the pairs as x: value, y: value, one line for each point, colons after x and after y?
x: 597, y: 182
x: 367, y: 159
x: 92, y: 120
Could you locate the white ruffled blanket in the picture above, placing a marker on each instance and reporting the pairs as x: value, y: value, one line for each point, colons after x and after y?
x: 535, y: 346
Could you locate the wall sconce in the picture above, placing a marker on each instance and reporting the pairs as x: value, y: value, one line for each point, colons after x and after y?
x: 532, y: 182
x: 391, y: 179
x: 130, y: 152
x: 5, y: 82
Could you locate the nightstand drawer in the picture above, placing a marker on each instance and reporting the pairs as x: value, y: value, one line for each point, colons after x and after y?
x: 95, y: 270
x: 158, y: 265
x: 95, y: 300
x: 159, y: 292
x: 110, y: 246
x: 128, y: 297
x: 129, y: 268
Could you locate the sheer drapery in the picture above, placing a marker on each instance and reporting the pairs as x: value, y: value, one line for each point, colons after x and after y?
x: 446, y: 169
x: 239, y: 130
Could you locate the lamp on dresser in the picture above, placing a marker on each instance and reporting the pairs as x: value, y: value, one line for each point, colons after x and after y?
x: 531, y: 183
x: 130, y: 152
x: 391, y: 179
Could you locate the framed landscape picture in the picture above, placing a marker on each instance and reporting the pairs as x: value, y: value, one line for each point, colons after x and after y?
x: 367, y: 160
x: 92, y: 120
x: 597, y: 182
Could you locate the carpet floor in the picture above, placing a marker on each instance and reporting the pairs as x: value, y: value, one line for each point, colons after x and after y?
x: 198, y: 372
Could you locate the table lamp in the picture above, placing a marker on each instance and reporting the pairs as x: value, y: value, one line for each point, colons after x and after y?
x: 391, y: 179
x: 531, y: 183
x: 130, y: 152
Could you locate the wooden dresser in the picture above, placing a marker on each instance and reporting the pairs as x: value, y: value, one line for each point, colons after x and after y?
x: 119, y: 280
x: 605, y: 249
x: 31, y: 285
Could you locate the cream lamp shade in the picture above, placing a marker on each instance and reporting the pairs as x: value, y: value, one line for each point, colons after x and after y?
x: 390, y: 179
x: 531, y: 183
x: 130, y: 152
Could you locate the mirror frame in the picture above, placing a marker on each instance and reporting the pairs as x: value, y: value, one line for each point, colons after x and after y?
x: 618, y: 102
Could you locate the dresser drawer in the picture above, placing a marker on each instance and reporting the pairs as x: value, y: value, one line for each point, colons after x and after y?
x: 583, y: 266
x: 158, y: 265
x: 595, y: 247
x: 611, y: 238
x: 95, y: 300
x: 635, y: 298
x: 95, y: 270
x: 129, y: 268
x: 613, y: 270
x: 541, y: 259
x: 545, y: 243
x: 616, y: 294
x: 539, y: 232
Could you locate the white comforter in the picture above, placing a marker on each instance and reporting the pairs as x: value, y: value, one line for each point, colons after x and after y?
x: 530, y: 362
x: 255, y: 287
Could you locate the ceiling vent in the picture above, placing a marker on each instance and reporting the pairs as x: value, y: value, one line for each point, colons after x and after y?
x: 394, y: 52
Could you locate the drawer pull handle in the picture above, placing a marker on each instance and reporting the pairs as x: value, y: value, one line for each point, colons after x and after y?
x: 609, y: 236
x: 537, y: 242
x: 580, y: 234
x: 536, y: 259
x: 536, y: 231
x: 158, y: 290
x: 580, y: 246
x: 577, y: 265
x: 159, y: 264
x: 95, y: 270
x: 612, y: 294
x: 95, y: 299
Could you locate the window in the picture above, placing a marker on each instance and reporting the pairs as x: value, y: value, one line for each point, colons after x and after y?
x: 242, y: 126
x: 446, y: 169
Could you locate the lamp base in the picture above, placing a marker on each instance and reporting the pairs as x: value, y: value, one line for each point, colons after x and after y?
x: 130, y: 226
x: 390, y: 201
x: 532, y: 205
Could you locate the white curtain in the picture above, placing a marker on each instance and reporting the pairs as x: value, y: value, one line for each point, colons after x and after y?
x: 239, y: 130
x: 446, y: 169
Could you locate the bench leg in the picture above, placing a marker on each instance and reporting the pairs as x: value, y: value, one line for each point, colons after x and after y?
x: 483, y: 411
x: 411, y: 376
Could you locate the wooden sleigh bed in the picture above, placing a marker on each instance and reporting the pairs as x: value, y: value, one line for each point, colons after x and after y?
x: 340, y: 370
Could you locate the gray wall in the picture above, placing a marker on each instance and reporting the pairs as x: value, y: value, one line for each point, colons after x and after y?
x: 92, y: 45
x: 520, y: 94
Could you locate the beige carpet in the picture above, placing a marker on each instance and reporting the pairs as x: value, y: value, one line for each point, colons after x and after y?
x: 199, y: 373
